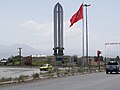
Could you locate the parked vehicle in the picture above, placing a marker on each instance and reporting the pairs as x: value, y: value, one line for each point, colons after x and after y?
x: 46, y: 67
x: 4, y: 61
x: 112, y: 66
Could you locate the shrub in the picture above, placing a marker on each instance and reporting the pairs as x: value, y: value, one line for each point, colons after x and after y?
x: 22, y: 78
x: 3, y: 79
x: 35, y: 76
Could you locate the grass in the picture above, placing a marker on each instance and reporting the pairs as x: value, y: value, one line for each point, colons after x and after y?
x: 36, y: 63
x: 13, y: 63
x: 17, y: 62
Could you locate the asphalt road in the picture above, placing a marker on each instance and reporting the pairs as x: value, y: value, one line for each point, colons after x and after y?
x: 94, y: 81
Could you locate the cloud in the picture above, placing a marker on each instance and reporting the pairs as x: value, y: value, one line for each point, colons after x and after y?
x: 30, y: 24
x: 44, y: 29
x: 39, y: 29
x: 47, y: 28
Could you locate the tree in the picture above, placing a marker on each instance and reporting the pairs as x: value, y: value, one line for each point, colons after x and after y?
x: 75, y: 57
x: 117, y: 58
x: 101, y: 58
x: 14, y: 59
x: 95, y: 58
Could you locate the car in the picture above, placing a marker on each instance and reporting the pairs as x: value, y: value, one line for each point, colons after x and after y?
x: 4, y: 61
x: 112, y: 66
x: 46, y: 67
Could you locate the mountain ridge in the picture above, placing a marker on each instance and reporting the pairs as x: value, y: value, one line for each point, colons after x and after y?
x: 12, y: 50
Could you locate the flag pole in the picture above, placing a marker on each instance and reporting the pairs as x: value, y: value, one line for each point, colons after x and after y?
x: 83, y: 36
x: 76, y: 17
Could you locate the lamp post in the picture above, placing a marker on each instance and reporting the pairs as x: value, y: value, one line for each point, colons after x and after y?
x: 86, y: 6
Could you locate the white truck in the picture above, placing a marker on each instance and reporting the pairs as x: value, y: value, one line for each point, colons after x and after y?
x: 112, y: 66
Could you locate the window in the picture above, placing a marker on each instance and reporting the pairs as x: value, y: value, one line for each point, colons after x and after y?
x: 112, y: 63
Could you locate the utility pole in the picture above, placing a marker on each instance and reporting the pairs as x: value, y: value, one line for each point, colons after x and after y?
x: 86, y: 6
x: 19, y: 52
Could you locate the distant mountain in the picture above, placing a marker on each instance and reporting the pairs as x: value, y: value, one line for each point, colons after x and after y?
x: 12, y: 50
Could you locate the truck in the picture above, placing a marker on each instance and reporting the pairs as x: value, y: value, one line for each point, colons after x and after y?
x: 112, y: 66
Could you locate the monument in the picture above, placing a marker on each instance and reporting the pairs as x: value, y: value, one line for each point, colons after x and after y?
x: 58, y: 31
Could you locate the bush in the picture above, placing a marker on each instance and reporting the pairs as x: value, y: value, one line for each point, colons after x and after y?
x: 35, y: 76
x: 22, y: 78
x: 3, y: 79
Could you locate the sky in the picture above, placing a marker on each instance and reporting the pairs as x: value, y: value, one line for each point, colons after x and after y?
x: 30, y: 22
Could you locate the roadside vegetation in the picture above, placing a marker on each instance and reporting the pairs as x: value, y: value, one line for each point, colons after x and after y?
x: 70, y: 69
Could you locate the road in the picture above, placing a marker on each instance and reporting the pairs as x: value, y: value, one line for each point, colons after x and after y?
x: 94, y: 81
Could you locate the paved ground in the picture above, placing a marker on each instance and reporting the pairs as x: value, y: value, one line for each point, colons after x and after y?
x: 94, y: 81
x: 16, y: 72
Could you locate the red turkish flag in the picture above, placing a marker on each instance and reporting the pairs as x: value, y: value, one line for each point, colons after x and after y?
x: 77, y: 16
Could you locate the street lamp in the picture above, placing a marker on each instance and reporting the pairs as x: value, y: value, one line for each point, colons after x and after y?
x: 86, y: 6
